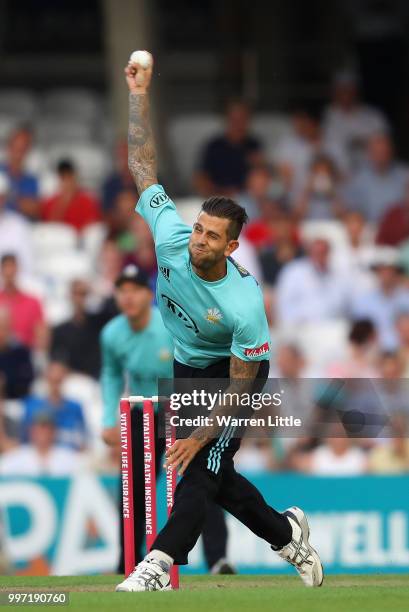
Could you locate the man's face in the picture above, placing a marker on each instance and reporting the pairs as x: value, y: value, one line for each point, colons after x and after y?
x: 133, y: 300
x: 18, y: 146
x: 79, y: 294
x: 209, y: 242
x: 9, y: 271
x: 319, y: 252
x: 388, y: 277
x: 289, y: 362
x: 237, y: 120
x: 56, y: 375
x: 42, y: 435
x: 380, y: 151
x: 345, y: 95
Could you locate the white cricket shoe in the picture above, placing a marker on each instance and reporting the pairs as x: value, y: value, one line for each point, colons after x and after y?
x: 148, y: 575
x: 299, y: 552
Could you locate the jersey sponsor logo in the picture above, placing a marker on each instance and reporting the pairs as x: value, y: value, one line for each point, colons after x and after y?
x: 178, y: 311
x: 165, y: 273
x: 158, y: 200
x: 258, y: 351
x: 213, y: 315
x: 242, y: 271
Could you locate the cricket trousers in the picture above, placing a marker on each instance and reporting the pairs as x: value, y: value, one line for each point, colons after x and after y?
x: 211, y: 478
x: 214, y: 529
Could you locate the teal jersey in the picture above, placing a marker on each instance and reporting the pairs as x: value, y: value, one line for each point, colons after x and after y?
x: 207, y: 320
x: 133, y: 360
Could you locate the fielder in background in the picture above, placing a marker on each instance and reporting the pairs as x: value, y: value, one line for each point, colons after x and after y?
x: 137, y: 350
x: 214, y: 310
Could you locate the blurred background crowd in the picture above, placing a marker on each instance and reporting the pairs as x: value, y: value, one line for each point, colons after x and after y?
x: 325, y: 182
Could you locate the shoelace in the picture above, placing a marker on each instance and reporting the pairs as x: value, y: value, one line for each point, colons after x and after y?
x: 147, y: 575
x: 301, y: 551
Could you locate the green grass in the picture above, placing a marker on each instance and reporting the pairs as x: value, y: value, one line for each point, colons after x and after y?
x: 228, y: 594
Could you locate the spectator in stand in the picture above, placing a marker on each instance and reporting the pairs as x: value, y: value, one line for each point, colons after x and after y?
x: 72, y: 204
x: 76, y: 341
x: 309, y: 290
x: 402, y: 326
x: 109, y: 267
x: 282, y: 247
x: 120, y: 180
x: 68, y: 415
x: 23, y: 192
x: 362, y: 353
x: 394, y: 225
x: 336, y: 456
x: 353, y: 256
x: 27, y: 317
x: 16, y: 369
x: 15, y: 235
x: 380, y: 183
x: 226, y: 160
x: 120, y: 217
x: 296, y: 151
x: 321, y: 198
x: 42, y: 456
x: 386, y: 301
x: 392, y: 456
x: 347, y: 121
x: 143, y: 252
x: 261, y: 192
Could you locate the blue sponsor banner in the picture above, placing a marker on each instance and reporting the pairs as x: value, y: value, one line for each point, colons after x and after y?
x: 63, y: 526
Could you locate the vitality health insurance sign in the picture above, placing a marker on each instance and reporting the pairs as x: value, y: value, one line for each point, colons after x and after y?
x: 64, y: 526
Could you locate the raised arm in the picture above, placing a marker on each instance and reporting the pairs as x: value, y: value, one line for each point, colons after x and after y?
x: 141, y: 146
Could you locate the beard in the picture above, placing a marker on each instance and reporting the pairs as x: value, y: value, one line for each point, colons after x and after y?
x: 203, y: 260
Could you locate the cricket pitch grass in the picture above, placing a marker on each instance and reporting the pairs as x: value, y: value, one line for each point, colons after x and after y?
x: 245, y: 593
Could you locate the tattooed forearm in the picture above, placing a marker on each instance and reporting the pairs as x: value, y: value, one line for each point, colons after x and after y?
x: 141, y: 146
x: 242, y: 376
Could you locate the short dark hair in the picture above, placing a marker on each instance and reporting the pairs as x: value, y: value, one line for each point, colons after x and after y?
x: 65, y: 166
x: 361, y: 331
x: 7, y: 257
x: 226, y: 208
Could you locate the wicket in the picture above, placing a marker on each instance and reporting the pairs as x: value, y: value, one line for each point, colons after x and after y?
x: 149, y: 475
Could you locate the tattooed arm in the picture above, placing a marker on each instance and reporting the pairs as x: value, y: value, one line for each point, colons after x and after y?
x: 141, y: 146
x: 242, y: 376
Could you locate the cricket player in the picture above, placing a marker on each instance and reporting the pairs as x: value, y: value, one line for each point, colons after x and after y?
x: 137, y: 350
x: 214, y: 310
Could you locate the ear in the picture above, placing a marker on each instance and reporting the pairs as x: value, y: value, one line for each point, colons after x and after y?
x: 231, y: 246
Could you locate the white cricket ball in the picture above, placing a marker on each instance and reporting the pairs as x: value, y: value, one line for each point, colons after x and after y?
x: 143, y: 58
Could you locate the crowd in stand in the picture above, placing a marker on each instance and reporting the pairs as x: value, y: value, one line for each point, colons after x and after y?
x: 328, y: 238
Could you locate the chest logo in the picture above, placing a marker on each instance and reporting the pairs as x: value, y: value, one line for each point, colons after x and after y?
x: 180, y: 313
x: 213, y: 315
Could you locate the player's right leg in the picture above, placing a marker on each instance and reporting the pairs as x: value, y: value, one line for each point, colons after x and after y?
x: 288, y: 533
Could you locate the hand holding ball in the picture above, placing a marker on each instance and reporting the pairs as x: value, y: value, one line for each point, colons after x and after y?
x: 139, y: 71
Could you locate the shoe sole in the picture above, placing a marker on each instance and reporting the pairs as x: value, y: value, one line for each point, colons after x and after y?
x: 300, y: 517
x: 118, y: 589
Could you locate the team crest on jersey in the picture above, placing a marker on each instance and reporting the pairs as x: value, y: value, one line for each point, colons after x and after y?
x: 213, y: 315
x: 158, y: 200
